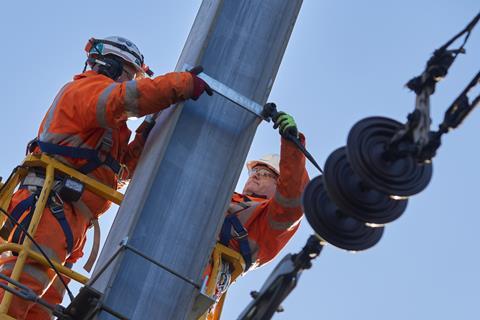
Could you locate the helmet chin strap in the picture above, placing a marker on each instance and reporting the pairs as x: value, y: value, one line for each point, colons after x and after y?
x: 110, y: 68
x: 92, y: 62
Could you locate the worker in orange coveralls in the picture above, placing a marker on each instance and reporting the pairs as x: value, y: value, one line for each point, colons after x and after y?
x: 86, y: 128
x: 263, y: 218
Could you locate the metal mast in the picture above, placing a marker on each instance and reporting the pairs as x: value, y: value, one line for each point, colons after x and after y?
x: 174, y: 206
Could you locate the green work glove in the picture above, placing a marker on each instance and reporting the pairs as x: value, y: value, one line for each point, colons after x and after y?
x: 286, y: 125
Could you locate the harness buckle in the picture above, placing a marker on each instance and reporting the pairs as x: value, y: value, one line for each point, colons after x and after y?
x: 123, y: 174
x: 239, y: 235
x: 57, y: 211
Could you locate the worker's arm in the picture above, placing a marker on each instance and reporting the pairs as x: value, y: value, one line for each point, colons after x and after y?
x: 283, y: 213
x: 107, y: 104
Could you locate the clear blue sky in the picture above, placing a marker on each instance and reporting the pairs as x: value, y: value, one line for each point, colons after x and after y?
x: 346, y: 60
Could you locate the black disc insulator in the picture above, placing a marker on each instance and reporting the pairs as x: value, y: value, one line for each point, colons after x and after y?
x: 356, y: 198
x: 332, y: 225
x: 367, y: 142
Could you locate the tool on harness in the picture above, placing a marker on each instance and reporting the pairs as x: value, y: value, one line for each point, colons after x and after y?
x: 224, y: 279
x: 66, y: 189
x: 70, y: 189
x: 93, y: 156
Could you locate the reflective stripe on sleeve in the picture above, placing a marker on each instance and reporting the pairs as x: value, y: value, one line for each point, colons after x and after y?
x: 287, y: 202
x: 281, y: 226
x: 76, y: 141
x: 53, y: 137
x: 102, y: 105
x: 131, y: 99
x: 69, y: 139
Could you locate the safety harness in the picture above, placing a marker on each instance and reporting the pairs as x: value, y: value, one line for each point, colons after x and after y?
x: 28, y: 204
x: 241, y: 235
x: 93, y: 156
x: 233, y: 223
x: 35, y: 183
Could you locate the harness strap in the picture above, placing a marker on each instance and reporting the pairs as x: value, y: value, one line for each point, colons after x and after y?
x: 241, y: 235
x: 29, y: 204
x: 32, y: 180
x: 17, y: 212
x: 91, y: 155
x: 94, y: 163
x: 59, y: 214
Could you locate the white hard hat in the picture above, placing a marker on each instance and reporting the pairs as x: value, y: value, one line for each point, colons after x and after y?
x: 272, y: 161
x: 120, y: 47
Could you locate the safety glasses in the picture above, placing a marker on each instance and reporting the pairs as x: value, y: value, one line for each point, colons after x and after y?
x: 262, y: 173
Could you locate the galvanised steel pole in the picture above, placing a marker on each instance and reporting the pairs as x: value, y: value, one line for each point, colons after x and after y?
x: 175, y: 204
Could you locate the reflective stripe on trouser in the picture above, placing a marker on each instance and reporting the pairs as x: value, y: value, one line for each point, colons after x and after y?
x: 55, y: 292
x: 51, y: 238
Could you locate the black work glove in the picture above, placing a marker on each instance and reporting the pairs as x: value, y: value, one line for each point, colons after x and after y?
x: 286, y: 125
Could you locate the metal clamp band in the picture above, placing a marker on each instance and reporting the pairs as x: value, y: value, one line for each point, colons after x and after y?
x: 230, y: 94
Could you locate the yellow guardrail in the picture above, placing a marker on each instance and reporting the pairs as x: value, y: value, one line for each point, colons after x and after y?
x: 24, y: 250
x: 221, y: 254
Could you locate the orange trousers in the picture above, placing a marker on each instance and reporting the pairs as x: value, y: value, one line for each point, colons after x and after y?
x: 41, y: 279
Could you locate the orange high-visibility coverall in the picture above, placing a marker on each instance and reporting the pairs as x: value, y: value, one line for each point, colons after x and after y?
x: 271, y: 223
x: 86, y: 110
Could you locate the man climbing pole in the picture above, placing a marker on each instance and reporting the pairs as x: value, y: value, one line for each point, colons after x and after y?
x: 262, y: 219
x: 85, y: 128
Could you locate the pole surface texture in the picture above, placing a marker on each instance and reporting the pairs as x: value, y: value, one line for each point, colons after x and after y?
x: 174, y: 206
